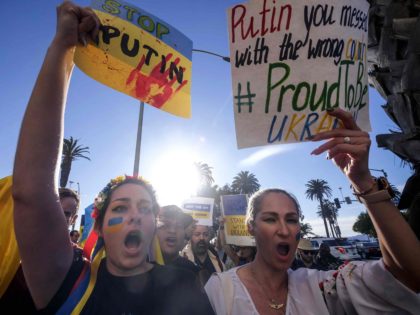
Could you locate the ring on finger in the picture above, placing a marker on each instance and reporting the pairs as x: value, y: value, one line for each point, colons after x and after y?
x: 347, y: 140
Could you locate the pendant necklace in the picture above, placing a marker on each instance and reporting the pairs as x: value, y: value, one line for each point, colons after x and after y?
x: 273, y: 304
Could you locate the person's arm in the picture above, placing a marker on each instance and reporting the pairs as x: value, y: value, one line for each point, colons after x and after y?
x: 226, y: 247
x: 400, y: 247
x: 40, y: 225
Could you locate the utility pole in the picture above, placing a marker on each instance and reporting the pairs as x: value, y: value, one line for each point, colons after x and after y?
x: 141, y: 114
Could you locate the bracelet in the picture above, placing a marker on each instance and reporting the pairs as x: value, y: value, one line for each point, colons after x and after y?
x: 365, y: 192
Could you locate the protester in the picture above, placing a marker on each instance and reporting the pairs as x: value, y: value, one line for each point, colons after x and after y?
x: 198, y: 251
x: 267, y: 286
x: 70, y: 201
x: 74, y: 236
x: 17, y: 296
x: 238, y: 255
x: 171, y: 223
x: 305, y: 255
x: 119, y: 280
x: 324, y: 260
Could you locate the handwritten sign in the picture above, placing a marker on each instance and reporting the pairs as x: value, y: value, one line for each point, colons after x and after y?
x: 234, y: 211
x: 291, y: 61
x: 140, y: 55
x: 200, y: 208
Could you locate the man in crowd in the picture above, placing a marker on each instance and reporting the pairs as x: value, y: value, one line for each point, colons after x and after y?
x: 171, y: 225
x: 305, y: 255
x: 198, y: 251
x: 74, y: 236
x: 70, y: 201
x: 324, y: 259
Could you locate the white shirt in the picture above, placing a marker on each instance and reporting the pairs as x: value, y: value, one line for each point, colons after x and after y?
x: 356, y: 288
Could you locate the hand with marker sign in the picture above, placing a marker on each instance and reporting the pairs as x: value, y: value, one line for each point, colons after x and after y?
x: 348, y: 147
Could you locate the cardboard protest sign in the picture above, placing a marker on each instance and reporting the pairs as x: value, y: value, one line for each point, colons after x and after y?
x: 291, y: 61
x: 140, y: 55
x: 234, y: 212
x: 200, y: 208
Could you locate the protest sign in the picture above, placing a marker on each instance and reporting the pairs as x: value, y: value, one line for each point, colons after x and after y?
x: 140, y: 55
x: 200, y: 208
x: 234, y: 212
x: 291, y: 61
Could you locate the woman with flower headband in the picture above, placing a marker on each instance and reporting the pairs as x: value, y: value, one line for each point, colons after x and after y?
x: 123, y: 282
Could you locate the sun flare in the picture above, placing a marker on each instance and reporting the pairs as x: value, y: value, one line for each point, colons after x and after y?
x: 175, y: 177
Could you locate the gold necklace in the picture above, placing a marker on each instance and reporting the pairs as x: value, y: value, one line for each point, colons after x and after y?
x: 272, y: 303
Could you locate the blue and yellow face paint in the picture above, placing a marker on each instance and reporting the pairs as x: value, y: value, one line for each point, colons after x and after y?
x: 114, y: 225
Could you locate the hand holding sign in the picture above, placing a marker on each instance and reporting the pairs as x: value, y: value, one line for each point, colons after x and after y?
x: 75, y: 25
x: 140, y: 55
x: 349, y: 149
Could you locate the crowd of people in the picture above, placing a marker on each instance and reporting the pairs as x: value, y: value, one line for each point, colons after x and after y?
x: 196, y: 277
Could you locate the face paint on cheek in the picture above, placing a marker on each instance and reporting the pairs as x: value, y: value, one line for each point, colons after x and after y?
x: 298, y: 236
x: 114, y: 225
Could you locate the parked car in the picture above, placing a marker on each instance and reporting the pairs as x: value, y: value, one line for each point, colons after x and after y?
x: 339, y: 247
x: 368, y: 249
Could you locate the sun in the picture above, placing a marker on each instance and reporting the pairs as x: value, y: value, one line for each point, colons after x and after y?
x: 175, y: 177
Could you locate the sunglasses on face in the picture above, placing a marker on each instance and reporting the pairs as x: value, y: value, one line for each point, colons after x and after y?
x: 308, y: 252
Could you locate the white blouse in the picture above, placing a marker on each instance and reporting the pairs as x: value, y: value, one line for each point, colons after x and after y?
x: 356, y: 288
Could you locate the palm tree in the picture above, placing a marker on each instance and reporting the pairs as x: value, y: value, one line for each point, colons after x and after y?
x: 245, y: 183
x: 205, y: 173
x: 317, y: 189
x: 305, y: 229
x: 71, y: 151
x: 331, y: 213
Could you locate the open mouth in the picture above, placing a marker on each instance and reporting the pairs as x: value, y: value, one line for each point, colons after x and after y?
x: 133, y: 240
x: 283, y: 249
x: 171, y: 241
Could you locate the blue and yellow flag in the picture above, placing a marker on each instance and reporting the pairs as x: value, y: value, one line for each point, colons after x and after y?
x: 140, y: 55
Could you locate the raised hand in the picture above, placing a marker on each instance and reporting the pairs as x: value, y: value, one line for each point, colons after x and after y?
x: 75, y: 25
x: 348, y: 147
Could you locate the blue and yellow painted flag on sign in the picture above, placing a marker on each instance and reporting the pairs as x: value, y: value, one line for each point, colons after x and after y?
x: 140, y: 55
x: 9, y: 252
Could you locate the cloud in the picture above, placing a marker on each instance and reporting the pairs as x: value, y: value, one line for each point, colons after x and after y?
x: 264, y: 153
x: 345, y: 224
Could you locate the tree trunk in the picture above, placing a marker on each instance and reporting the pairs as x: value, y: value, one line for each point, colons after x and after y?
x: 332, y: 230
x: 323, y: 217
x: 65, y: 173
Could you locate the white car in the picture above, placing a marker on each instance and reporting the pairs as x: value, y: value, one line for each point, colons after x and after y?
x: 339, y: 247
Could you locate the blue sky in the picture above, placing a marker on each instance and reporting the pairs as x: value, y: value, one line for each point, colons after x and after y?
x: 106, y: 120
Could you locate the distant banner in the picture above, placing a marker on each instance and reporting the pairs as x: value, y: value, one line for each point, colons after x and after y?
x: 200, y: 208
x: 88, y: 224
x: 140, y: 55
x: 234, y: 211
x: 290, y: 62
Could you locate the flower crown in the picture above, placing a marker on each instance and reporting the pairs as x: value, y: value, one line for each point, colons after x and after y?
x: 107, y: 190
